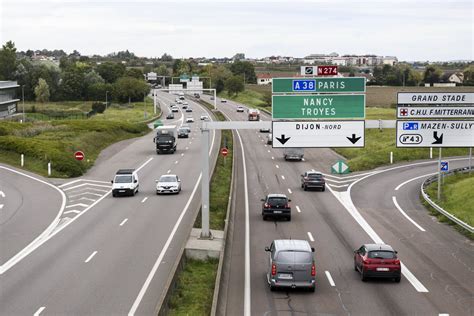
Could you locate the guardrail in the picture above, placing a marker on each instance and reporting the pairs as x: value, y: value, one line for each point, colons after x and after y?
x: 438, y: 208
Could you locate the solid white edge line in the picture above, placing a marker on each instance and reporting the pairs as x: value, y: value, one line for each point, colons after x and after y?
x: 394, y: 199
x: 91, y: 256
x: 43, y: 236
x: 247, y: 289
x: 310, y: 236
x: 123, y: 222
x: 145, y: 286
x: 38, y: 312
x: 412, y: 179
x: 144, y: 199
x: 298, y: 209
x: 331, y: 281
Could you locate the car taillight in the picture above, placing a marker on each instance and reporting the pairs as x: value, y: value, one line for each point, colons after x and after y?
x: 267, y: 205
x: 305, y: 178
x: 313, y: 270
x: 287, y: 205
x: 397, y: 262
x: 274, y: 269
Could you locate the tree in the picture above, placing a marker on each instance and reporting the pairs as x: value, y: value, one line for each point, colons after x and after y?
x: 7, y: 61
x: 130, y: 89
x: 162, y: 70
x: 73, y: 84
x: 469, y: 76
x: 111, y: 71
x: 134, y: 73
x: 166, y: 57
x: 234, y: 85
x: 42, y: 91
x: 432, y: 74
x: 219, y: 85
x: 245, y: 69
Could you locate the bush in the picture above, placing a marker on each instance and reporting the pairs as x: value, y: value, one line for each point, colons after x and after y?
x: 98, y: 107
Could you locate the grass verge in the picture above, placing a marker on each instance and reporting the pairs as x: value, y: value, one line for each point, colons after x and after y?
x: 194, y: 289
x: 247, y: 97
x: 195, y: 286
x: 456, y: 198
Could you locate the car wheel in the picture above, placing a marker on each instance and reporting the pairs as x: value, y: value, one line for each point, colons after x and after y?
x: 272, y: 288
x: 324, y: 189
x: 264, y: 217
x: 362, y: 276
x: 397, y: 279
x: 113, y: 194
x: 288, y: 218
x: 305, y: 188
x: 312, y: 289
x: 355, y: 267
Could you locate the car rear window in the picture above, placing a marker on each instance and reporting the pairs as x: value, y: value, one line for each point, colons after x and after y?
x: 292, y: 257
x: 382, y: 255
x: 315, y: 176
x: 277, y: 200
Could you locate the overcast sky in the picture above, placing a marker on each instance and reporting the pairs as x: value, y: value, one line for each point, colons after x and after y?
x: 408, y: 29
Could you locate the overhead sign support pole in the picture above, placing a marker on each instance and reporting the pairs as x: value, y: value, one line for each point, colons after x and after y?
x: 439, y: 175
x: 205, y: 232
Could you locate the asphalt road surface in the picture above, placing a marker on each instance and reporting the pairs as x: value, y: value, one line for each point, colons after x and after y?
x: 111, y: 256
x: 359, y: 208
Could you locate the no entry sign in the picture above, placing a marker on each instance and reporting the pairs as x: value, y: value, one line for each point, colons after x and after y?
x: 79, y: 155
x: 224, y: 152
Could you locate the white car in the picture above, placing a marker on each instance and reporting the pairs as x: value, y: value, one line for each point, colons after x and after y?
x: 223, y: 100
x: 185, y: 102
x: 125, y: 182
x: 168, y: 183
x: 204, y: 117
x: 174, y: 109
x: 240, y: 108
x: 189, y: 119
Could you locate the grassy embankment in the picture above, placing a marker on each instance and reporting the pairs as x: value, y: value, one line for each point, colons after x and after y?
x: 456, y: 198
x: 380, y: 104
x: 195, y: 286
x: 42, y: 139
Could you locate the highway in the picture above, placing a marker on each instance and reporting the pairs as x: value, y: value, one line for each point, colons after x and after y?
x: 360, y: 208
x: 108, y: 256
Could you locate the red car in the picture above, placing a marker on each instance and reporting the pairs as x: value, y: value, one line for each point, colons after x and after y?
x: 378, y: 261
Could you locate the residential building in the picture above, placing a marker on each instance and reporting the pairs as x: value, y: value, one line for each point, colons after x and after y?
x: 8, y: 100
x: 264, y: 78
x: 452, y: 77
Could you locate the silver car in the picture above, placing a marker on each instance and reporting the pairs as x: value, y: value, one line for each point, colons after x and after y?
x: 291, y: 265
x: 168, y: 183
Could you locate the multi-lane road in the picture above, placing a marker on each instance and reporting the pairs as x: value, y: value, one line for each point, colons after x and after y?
x: 113, y: 256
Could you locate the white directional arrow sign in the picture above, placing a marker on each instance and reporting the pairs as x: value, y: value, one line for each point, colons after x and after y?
x: 449, y: 133
x: 318, y: 134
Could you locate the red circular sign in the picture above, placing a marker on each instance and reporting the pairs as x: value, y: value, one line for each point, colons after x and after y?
x: 79, y: 155
x: 224, y: 152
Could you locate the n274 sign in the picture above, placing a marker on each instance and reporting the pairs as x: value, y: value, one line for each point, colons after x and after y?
x: 318, y: 70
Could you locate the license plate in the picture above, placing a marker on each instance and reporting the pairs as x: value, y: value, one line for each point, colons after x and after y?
x: 121, y: 190
x: 277, y: 212
x: 286, y: 276
x: 383, y: 269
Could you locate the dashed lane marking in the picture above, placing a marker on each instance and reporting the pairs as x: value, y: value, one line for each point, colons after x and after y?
x: 331, y: 281
x: 91, y: 256
x: 298, y: 209
x: 38, y: 312
x: 143, y: 201
x: 123, y: 222
x: 277, y: 166
x: 289, y: 190
x: 2, y: 194
x: 310, y: 236
x: 283, y: 177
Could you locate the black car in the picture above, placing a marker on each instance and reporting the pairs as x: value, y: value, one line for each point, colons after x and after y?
x: 313, y: 179
x: 276, y: 205
x: 170, y: 116
x: 183, y: 132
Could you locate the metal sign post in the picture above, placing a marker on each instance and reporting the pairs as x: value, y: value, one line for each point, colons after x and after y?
x: 439, y: 175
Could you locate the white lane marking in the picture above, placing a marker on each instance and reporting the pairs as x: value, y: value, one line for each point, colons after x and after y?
x: 143, y: 201
x: 68, y: 183
x: 123, y: 222
x: 412, y: 179
x: 277, y: 166
x: 289, y: 190
x: 1, y: 206
x: 86, y: 193
x: 72, y: 211
x: 268, y: 150
x: 348, y: 177
x: 338, y: 186
x: 84, y: 184
x: 302, y: 159
x: 168, y: 171
x: 266, y: 145
x: 298, y: 209
x: 341, y: 181
x: 345, y: 199
x: 82, y: 198
x: 310, y: 236
x: 182, y: 154
x: 2, y: 194
x: 91, y: 256
x: 43, y: 236
x: 83, y: 180
x: 176, y: 162
x: 144, y: 164
x: 273, y: 158
x: 91, y: 189
x: 283, y: 177
x: 394, y: 199
x: 187, y: 148
x: 78, y: 204
x: 443, y: 314
x: 145, y: 286
x: 38, y: 312
x: 331, y: 281
x: 190, y: 143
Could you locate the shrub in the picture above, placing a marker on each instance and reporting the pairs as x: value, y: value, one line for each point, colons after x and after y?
x: 98, y: 107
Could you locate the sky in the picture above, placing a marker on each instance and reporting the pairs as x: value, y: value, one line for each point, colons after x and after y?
x: 411, y: 30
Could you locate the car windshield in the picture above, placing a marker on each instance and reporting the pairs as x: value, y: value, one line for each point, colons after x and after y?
x: 277, y: 200
x: 123, y: 179
x: 382, y: 255
x: 167, y: 179
x: 294, y: 257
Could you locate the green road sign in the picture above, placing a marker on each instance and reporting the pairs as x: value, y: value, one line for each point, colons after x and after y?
x: 318, y: 85
x: 327, y: 106
x: 340, y: 167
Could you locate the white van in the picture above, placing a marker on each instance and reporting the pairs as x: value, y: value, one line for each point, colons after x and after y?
x: 125, y: 182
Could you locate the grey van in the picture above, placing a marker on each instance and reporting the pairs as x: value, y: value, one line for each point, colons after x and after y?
x: 291, y: 265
